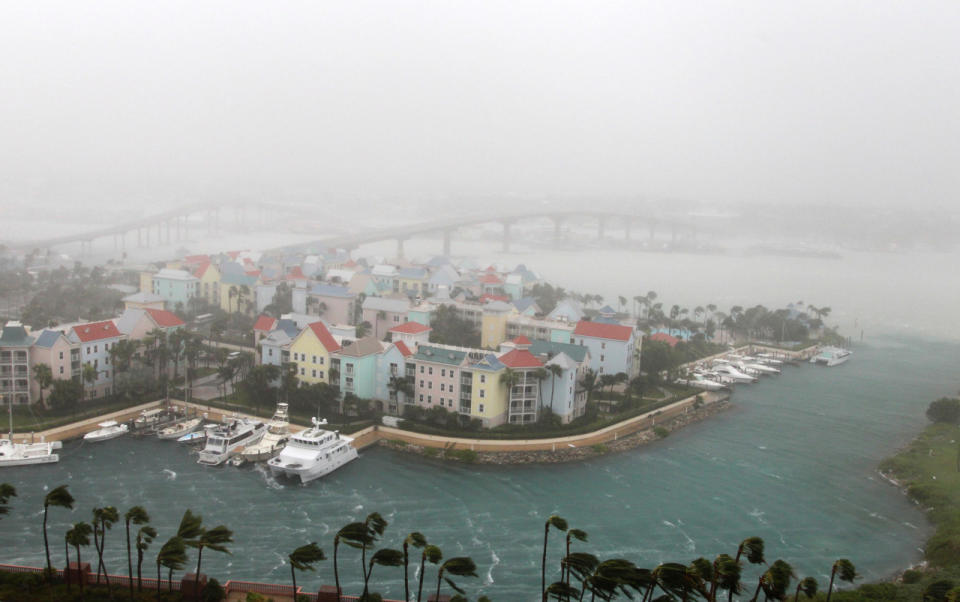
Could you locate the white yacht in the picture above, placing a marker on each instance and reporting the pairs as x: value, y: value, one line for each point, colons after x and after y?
x: 313, y: 453
x: 147, y: 419
x: 22, y: 454
x: 230, y: 439
x: 111, y: 429
x: 197, y: 437
x: 699, y: 381
x: 274, y: 440
x: 179, y: 429
x: 737, y: 376
x: 831, y: 356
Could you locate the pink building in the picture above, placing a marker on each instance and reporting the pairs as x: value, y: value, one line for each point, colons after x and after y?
x: 411, y: 333
x: 437, y: 376
x: 54, y: 349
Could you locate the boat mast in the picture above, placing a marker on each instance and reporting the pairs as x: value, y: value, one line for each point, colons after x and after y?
x: 10, y: 403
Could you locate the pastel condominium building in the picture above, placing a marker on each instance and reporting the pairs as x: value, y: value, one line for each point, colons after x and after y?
x: 15, y: 344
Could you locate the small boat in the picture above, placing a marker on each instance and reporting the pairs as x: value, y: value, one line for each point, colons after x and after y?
x: 313, y: 453
x: 274, y: 440
x: 23, y: 454
x: 196, y: 437
x: 229, y: 439
x: 237, y: 460
x: 148, y: 419
x: 831, y: 356
x: 736, y: 375
x: 179, y: 429
x: 701, y: 382
x: 111, y: 429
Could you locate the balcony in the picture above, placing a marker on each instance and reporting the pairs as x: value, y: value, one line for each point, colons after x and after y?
x: 466, y: 382
x: 465, y: 408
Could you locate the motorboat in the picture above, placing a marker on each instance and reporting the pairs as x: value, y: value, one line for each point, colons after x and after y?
x: 230, y: 439
x: 831, y: 356
x: 313, y: 453
x: 737, y: 376
x: 274, y: 440
x: 757, y: 368
x: 701, y: 382
x: 23, y: 454
x: 179, y: 429
x: 111, y: 429
x: 148, y: 419
x: 197, y: 437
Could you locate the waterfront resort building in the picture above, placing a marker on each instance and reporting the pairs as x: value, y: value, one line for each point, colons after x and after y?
x: 614, y: 348
x: 95, y: 340
x: 15, y: 346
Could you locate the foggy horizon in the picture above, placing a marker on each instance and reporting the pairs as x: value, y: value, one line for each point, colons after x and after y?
x: 152, y: 106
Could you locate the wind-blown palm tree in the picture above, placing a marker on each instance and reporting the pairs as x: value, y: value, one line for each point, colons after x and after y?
x: 431, y: 554
x: 88, y: 375
x: 556, y: 371
x: 145, y: 536
x: 43, y: 375
x: 375, y: 525
x: 103, y: 519
x: 61, y: 498
x: 581, y: 565
x: 417, y: 540
x: 352, y: 535
x: 461, y: 566
x: 215, y: 539
x: 561, y: 525
x: 173, y: 556
x: 775, y: 581
x: 302, y: 559
x: 540, y: 374
x: 572, y: 534
x: 138, y: 516
x: 78, y: 535
x: 7, y: 491
x: 842, y: 568
x: 383, y: 557
x: 726, y: 575
x: 753, y: 547
x: 807, y: 585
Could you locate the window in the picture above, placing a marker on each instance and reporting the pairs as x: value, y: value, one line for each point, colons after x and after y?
x: 321, y: 374
x: 61, y: 369
x: 421, y: 398
x: 314, y: 359
x: 603, y: 345
x: 429, y: 398
x: 450, y: 403
x: 321, y: 360
x: 421, y: 369
x: 480, y: 408
x: 303, y: 371
x: 396, y: 318
x: 430, y: 370
x: 483, y: 393
x: 88, y: 349
x: 313, y: 373
x: 95, y: 350
x: 430, y: 384
x: 61, y: 355
x: 270, y: 352
x: 601, y: 358
x: 441, y: 401
x: 483, y: 379
x: 442, y: 387
x: 421, y: 383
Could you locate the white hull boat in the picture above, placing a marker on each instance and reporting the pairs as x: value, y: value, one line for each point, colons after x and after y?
x: 700, y: 382
x: 230, y: 439
x: 274, y: 440
x: 25, y: 454
x: 110, y: 429
x: 313, y: 453
x: 735, y: 374
x: 831, y: 356
x: 180, y: 429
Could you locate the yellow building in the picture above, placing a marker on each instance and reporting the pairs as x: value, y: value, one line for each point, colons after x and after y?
x: 244, y: 291
x: 310, y: 351
x: 493, y: 324
x: 482, y: 389
x: 146, y: 281
x: 209, y: 286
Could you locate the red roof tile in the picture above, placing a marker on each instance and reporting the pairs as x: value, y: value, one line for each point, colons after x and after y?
x: 196, y: 259
x: 520, y: 358
x: 164, y: 318
x: 490, y: 279
x: 403, y: 348
x: 265, y: 323
x: 521, y: 340
x: 410, y: 328
x: 326, y: 339
x: 96, y: 331
x: 665, y: 338
x: 488, y: 297
x: 296, y: 274
x: 254, y: 273
x: 602, y: 330
x: 201, y: 269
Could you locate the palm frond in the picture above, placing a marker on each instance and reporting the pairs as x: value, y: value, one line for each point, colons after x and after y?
x: 60, y: 497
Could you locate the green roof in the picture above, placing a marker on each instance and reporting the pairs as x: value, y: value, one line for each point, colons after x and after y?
x: 577, y: 353
x: 439, y: 355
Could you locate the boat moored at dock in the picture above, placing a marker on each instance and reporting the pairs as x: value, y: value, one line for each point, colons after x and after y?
x: 313, y: 453
x: 831, y: 356
x: 179, y: 429
x: 274, y: 440
x: 111, y: 429
x: 230, y: 439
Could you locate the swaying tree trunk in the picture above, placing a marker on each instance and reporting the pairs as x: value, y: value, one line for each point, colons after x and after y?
x: 406, y: 580
x: 46, y: 545
x: 129, y: 561
x: 336, y: 572
x: 293, y: 573
x: 158, y: 575
x: 543, y: 564
x: 139, y: 565
x: 420, y: 586
x: 66, y: 570
x: 833, y: 574
x: 196, y: 577
x: 439, y: 580
x: 80, y: 576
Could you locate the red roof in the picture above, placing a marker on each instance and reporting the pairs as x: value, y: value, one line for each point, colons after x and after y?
x: 164, y: 318
x: 350, y: 264
x: 665, y: 338
x: 490, y: 279
x: 196, y: 259
x: 488, y: 297
x: 234, y: 254
x: 410, y: 328
x: 602, y: 330
x: 326, y: 339
x: 296, y: 274
x: 521, y: 340
x: 403, y: 348
x: 254, y: 273
x: 201, y: 270
x: 96, y: 331
x: 520, y: 358
x: 265, y: 323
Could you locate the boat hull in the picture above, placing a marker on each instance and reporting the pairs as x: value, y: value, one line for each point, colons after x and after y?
x: 44, y: 459
x: 179, y: 433
x: 95, y: 437
x: 318, y: 470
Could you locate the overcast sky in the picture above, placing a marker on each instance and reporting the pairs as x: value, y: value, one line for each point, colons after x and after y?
x: 845, y: 102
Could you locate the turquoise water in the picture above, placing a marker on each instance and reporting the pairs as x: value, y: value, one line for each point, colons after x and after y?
x: 793, y: 462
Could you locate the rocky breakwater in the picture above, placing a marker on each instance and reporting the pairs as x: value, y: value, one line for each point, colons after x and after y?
x: 568, y: 453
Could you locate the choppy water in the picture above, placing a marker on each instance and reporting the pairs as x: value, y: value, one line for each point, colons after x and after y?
x: 794, y: 462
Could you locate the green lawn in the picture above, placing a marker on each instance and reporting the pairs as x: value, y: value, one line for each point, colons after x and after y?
x: 36, y: 419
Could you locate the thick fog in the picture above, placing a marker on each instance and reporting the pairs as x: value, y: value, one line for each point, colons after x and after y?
x: 161, y: 103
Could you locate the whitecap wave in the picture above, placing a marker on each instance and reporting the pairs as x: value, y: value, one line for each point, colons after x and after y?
x: 494, y: 561
x: 171, y: 475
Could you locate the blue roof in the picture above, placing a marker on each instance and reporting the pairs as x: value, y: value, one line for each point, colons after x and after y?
x: 540, y: 347
x: 524, y: 304
x: 331, y: 290
x: 237, y: 279
x: 289, y: 327
x: 606, y: 309
x: 411, y: 273
x: 48, y: 338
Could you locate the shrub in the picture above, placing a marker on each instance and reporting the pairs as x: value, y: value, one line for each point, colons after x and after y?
x: 944, y: 410
x: 660, y: 432
x: 430, y: 451
x: 463, y: 455
x: 600, y: 448
x: 213, y: 592
x: 911, y: 576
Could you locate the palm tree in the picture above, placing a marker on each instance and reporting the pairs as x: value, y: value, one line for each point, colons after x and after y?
x: 580, y: 564
x: 540, y: 374
x: 557, y: 523
x: 432, y: 554
x: 7, y: 491
x: 589, y: 382
x: 417, y: 540
x: 351, y: 535
x: 138, y: 516
x: 556, y: 371
x: 579, y: 535
x: 846, y: 571
x: 88, y: 375
x: 375, y: 525
x: 173, y: 556
x: 103, y: 519
x: 59, y: 497
x: 78, y: 535
x: 775, y: 581
x: 233, y: 292
x: 145, y: 536
x: 43, y: 375
x: 461, y: 566
x: 753, y: 547
x: 622, y: 301
x: 725, y: 575
x: 302, y: 559
x: 215, y: 539
x: 807, y: 585
x: 383, y: 557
